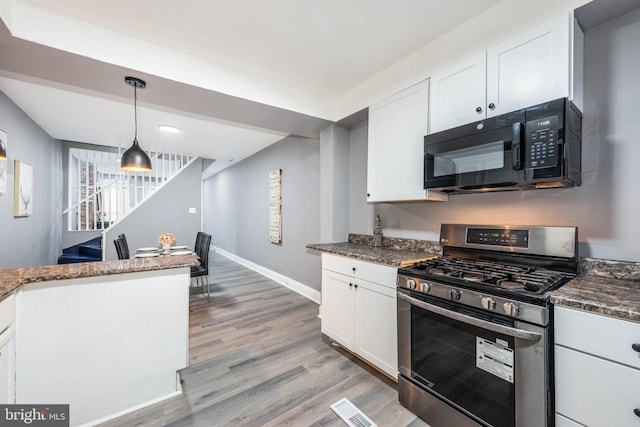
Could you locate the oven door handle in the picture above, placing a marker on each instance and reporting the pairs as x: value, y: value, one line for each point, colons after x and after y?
x: 495, y: 327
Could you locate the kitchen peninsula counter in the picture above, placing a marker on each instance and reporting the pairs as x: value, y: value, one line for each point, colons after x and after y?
x: 606, y: 287
x: 13, y: 278
x: 394, y: 252
x: 115, y: 333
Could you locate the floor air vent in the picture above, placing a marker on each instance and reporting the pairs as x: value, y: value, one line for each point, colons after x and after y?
x: 350, y: 414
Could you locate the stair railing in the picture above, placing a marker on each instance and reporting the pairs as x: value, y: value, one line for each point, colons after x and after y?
x: 101, y: 194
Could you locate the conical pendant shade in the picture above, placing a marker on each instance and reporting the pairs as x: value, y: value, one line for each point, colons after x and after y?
x: 135, y: 159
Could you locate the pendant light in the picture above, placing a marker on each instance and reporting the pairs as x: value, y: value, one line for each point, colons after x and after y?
x: 135, y: 159
x: 3, y: 150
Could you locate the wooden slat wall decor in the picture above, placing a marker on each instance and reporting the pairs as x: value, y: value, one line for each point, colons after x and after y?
x: 275, y: 206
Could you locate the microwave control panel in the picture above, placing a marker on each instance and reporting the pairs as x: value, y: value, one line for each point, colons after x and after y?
x: 541, y: 143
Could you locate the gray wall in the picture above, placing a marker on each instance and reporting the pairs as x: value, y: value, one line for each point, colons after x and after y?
x: 235, y: 203
x: 606, y: 207
x: 33, y: 240
x: 166, y: 211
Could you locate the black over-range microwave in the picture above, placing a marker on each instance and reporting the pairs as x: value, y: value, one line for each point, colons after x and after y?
x: 536, y: 147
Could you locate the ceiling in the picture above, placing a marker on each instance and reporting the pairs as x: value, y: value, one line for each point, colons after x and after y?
x: 223, y: 71
x: 324, y: 47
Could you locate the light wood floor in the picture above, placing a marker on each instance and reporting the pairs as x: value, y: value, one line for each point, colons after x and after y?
x: 258, y: 359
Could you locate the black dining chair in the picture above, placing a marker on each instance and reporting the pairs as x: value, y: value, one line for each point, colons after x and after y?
x: 125, y: 246
x: 199, y: 237
x: 118, y: 245
x: 122, y: 249
x: 201, y: 272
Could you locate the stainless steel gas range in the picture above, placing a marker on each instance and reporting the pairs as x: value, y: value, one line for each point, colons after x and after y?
x: 475, y: 326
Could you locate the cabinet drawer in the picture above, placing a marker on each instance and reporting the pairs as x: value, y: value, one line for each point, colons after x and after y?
x: 7, y: 311
x: 377, y: 273
x: 598, y: 335
x: 596, y: 392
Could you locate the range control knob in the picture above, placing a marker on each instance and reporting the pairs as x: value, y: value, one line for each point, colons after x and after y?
x: 425, y: 287
x: 488, y: 303
x: 411, y: 284
x: 454, y: 294
x: 510, y: 309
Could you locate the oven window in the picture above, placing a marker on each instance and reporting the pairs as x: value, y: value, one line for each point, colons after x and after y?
x: 444, y: 356
x: 473, y: 159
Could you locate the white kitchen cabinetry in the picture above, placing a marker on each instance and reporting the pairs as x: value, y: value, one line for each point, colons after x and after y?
x: 538, y: 66
x: 597, y: 371
x: 338, y: 317
x: 397, y: 126
x: 7, y: 350
x: 359, y: 309
x: 458, y: 95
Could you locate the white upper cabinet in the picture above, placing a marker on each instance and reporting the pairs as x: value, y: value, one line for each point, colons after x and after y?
x: 397, y: 126
x: 458, y: 95
x: 538, y: 66
x: 530, y: 69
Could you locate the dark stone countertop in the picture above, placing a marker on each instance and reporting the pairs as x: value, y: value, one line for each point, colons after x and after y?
x: 393, y: 252
x: 606, y: 287
x: 13, y: 278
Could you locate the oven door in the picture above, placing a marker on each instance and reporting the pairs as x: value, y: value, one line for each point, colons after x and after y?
x: 469, y: 360
x: 468, y: 159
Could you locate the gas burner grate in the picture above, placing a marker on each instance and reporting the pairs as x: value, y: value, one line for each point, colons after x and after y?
x: 505, y: 276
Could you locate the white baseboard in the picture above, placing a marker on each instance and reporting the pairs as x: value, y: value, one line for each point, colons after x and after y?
x: 285, y: 281
x: 140, y: 406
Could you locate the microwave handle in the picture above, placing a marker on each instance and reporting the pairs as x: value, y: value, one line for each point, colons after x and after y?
x: 517, y: 147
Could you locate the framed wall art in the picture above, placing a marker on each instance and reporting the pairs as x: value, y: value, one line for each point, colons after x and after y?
x: 275, y: 206
x: 4, y: 172
x: 23, y: 189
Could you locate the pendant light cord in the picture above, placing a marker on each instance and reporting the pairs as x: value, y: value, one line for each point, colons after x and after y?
x: 135, y: 111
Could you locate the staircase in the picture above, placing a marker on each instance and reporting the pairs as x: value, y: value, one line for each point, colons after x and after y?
x: 88, y: 251
x: 101, y: 194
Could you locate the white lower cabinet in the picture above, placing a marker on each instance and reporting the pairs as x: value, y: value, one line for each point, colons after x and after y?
x: 7, y: 367
x: 7, y: 350
x: 376, y: 326
x: 597, y: 371
x: 338, y: 308
x: 360, y: 314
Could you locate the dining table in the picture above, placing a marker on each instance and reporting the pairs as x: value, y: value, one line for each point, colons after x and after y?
x: 154, y: 251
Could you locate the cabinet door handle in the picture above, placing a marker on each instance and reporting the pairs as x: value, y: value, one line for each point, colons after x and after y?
x: 354, y: 269
x: 637, y: 412
x: 636, y: 347
x: 355, y: 286
x: 350, y: 285
x: 479, y: 110
x: 492, y: 106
